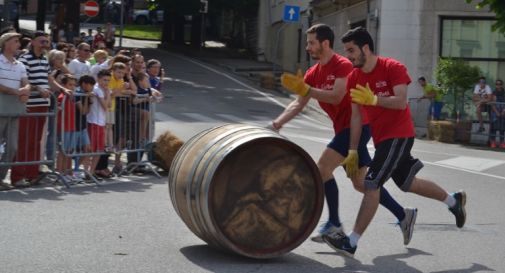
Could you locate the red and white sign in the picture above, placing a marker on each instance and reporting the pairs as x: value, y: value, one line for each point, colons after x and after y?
x: 91, y: 8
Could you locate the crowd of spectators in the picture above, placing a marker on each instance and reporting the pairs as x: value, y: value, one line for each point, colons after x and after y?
x: 487, y: 101
x: 101, y: 98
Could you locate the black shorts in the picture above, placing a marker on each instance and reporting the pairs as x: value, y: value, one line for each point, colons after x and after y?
x: 392, y: 159
x: 340, y: 143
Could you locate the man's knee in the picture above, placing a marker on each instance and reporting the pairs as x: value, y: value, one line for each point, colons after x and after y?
x: 410, y: 186
x: 325, y: 171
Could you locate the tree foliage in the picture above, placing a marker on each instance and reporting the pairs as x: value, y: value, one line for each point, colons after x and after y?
x: 496, y: 6
x: 457, y: 77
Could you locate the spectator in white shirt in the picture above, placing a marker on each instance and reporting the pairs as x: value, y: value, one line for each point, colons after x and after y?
x: 482, y: 94
x: 80, y: 65
x: 14, y: 93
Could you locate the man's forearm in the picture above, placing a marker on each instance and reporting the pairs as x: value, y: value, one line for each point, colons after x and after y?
x: 392, y: 102
x: 7, y: 90
x: 293, y: 109
x: 355, y: 127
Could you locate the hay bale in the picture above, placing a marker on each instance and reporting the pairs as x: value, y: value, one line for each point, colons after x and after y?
x: 164, y: 150
x: 441, y: 130
x: 268, y: 81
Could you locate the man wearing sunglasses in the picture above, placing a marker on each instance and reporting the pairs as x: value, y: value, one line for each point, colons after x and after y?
x: 80, y: 66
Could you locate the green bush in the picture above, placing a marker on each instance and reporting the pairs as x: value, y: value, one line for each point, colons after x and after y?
x: 458, y: 78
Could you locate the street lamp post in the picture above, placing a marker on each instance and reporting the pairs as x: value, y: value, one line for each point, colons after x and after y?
x: 121, y: 25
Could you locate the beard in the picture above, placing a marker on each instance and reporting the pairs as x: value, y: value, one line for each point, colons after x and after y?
x: 316, y: 54
x: 359, y: 62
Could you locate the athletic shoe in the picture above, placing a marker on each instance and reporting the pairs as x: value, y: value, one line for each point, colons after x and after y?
x: 459, y: 209
x: 5, y: 186
x: 407, y: 224
x: 328, y: 229
x: 21, y: 184
x: 340, y: 244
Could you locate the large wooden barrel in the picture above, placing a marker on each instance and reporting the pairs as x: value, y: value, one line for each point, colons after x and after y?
x: 246, y: 189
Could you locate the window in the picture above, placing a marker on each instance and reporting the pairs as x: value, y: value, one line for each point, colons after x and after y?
x: 471, y: 39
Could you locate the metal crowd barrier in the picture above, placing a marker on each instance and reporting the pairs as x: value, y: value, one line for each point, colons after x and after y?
x: 25, y: 150
x: 419, y: 109
x: 127, y: 130
x: 493, y: 124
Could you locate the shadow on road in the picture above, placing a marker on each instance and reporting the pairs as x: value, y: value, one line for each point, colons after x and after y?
x: 137, y: 184
x: 217, y: 260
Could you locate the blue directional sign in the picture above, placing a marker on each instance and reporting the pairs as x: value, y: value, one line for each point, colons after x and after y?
x: 291, y: 13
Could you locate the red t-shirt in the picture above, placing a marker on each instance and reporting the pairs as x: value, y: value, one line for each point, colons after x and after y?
x: 323, y: 77
x: 69, y: 112
x: 385, y: 123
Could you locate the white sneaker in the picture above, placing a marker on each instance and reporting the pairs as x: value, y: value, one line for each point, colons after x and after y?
x: 21, y: 184
x: 5, y: 186
x: 328, y: 229
x: 407, y: 224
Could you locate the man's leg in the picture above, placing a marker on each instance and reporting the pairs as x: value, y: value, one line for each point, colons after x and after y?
x: 387, y: 155
x: 455, y: 202
x: 9, y: 135
x: 405, y: 178
x: 327, y: 163
x: 479, y: 115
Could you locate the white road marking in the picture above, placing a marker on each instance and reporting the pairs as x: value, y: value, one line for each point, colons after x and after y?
x: 471, y: 163
x: 465, y: 170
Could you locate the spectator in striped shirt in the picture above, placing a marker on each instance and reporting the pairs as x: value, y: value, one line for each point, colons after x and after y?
x: 31, y: 128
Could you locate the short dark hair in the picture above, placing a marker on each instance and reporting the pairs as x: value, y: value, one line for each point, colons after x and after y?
x: 86, y: 79
x: 103, y: 73
x: 67, y: 77
x: 422, y: 78
x: 39, y: 33
x: 482, y: 78
x: 152, y: 62
x: 498, y: 80
x: 359, y: 36
x: 323, y: 32
x: 142, y: 76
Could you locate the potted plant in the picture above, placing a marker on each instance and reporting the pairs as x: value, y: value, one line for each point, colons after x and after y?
x: 458, y: 77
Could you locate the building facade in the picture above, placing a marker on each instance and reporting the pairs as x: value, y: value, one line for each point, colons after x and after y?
x: 417, y: 33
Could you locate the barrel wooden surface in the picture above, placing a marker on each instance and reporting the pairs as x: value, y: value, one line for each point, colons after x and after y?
x: 246, y: 189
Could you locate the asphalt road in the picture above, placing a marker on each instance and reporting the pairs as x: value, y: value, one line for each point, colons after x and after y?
x: 131, y: 226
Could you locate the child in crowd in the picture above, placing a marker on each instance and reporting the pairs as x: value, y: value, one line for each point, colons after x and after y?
x: 116, y: 87
x: 96, y: 117
x: 156, y: 73
x: 82, y: 106
x: 145, y: 96
x: 100, y: 57
x: 66, y: 127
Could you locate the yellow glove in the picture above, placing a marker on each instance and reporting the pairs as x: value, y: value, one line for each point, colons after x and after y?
x: 295, y: 83
x: 363, y: 95
x: 351, y: 163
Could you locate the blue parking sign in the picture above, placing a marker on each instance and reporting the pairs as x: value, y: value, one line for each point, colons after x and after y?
x: 291, y: 13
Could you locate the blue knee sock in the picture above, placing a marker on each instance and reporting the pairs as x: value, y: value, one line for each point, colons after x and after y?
x: 387, y: 201
x: 331, y: 193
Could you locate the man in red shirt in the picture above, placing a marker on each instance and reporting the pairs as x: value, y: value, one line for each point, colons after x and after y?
x: 378, y: 85
x: 325, y: 82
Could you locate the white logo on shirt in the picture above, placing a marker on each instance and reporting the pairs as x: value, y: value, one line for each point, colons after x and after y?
x: 380, y: 84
